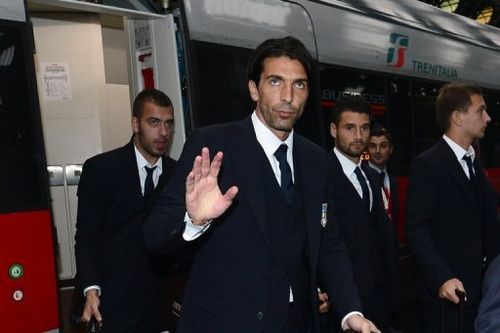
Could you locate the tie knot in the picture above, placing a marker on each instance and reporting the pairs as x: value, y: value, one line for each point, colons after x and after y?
x: 149, y: 170
x: 280, y: 153
x: 382, y: 177
x: 467, y: 159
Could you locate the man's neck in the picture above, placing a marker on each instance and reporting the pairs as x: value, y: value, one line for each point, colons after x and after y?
x: 459, y: 139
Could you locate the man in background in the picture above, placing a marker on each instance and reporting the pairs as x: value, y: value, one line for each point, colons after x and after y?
x: 115, y: 192
x: 364, y: 225
x: 380, y: 147
x: 451, y: 211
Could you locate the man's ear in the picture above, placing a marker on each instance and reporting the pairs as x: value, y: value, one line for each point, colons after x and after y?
x: 456, y: 118
x: 333, y: 130
x: 135, y: 124
x: 254, y: 91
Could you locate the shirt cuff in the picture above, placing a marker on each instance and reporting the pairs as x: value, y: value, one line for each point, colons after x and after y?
x: 191, y: 231
x: 342, y: 324
x: 96, y: 287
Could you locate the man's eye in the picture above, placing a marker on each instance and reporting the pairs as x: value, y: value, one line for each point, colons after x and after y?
x: 274, y: 82
x: 154, y: 122
x: 300, y: 84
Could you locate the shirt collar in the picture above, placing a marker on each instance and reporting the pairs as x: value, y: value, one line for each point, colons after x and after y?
x: 347, y: 165
x: 267, y: 139
x: 458, y: 150
x: 379, y: 170
x: 141, y: 161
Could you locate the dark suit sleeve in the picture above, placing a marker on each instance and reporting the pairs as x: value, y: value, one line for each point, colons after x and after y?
x: 421, y: 211
x: 92, y: 206
x: 335, y: 270
x: 165, y: 224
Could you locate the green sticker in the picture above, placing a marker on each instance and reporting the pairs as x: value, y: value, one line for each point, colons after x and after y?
x: 16, y: 271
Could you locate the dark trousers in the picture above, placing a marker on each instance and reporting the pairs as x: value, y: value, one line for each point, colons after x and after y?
x: 443, y: 317
x: 292, y: 324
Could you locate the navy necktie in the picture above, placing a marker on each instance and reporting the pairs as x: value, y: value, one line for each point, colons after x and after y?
x: 382, y: 178
x: 149, y: 185
x: 286, y: 173
x: 364, y: 186
x: 472, y: 175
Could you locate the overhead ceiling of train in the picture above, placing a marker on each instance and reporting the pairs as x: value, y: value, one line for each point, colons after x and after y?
x: 483, y: 11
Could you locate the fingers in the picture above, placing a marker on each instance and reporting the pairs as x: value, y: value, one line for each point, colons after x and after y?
x: 205, y: 162
x: 216, y: 164
x: 231, y: 193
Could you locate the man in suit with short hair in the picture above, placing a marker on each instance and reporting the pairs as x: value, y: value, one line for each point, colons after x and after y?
x: 380, y: 147
x: 257, y: 210
x: 451, y: 211
x: 114, y: 269
x: 364, y: 225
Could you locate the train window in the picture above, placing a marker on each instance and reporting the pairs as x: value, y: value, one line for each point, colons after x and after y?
x: 22, y: 167
x: 490, y: 145
x: 219, y: 81
x: 400, y: 124
x: 427, y: 130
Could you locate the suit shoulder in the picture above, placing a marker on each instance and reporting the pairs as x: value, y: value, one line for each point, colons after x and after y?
x: 109, y: 156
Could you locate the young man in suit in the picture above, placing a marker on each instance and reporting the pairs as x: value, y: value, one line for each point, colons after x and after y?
x: 380, y: 147
x: 115, y: 191
x: 364, y: 224
x: 258, y: 213
x: 451, y: 211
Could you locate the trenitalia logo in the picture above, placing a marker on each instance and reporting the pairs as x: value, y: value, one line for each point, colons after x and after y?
x: 396, y: 53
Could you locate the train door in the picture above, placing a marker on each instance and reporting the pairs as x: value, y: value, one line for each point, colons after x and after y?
x: 27, y: 268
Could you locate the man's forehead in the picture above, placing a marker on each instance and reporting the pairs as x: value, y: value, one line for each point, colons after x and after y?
x: 379, y: 138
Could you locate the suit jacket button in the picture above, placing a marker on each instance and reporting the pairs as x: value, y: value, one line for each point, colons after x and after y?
x: 260, y: 315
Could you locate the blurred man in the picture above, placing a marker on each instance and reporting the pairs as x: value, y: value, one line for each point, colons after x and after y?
x: 258, y: 213
x: 115, y: 192
x: 380, y: 148
x: 451, y: 215
x: 364, y: 225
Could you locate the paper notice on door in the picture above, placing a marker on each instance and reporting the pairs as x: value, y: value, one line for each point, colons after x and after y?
x: 56, y: 81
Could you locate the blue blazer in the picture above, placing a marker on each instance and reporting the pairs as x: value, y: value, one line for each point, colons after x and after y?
x: 110, y: 250
x: 449, y: 226
x: 228, y: 290
x: 370, y: 236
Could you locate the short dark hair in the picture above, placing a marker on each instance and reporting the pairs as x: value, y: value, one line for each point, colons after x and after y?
x: 289, y: 47
x: 378, y: 130
x: 350, y: 103
x: 154, y: 96
x: 453, y: 97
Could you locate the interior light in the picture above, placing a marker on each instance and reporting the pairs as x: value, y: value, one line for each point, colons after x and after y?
x: 449, y: 5
x: 485, y: 15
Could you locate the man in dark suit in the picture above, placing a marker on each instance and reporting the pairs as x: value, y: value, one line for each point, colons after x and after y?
x: 451, y: 216
x: 364, y: 225
x: 115, y: 191
x: 260, y: 218
x: 380, y: 147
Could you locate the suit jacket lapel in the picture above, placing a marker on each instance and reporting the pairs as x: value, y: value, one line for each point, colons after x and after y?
x: 130, y: 171
x: 344, y: 181
x: 454, y: 168
x: 245, y: 151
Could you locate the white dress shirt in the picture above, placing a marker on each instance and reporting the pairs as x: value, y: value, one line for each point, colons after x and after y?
x: 460, y: 153
x: 348, y: 167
